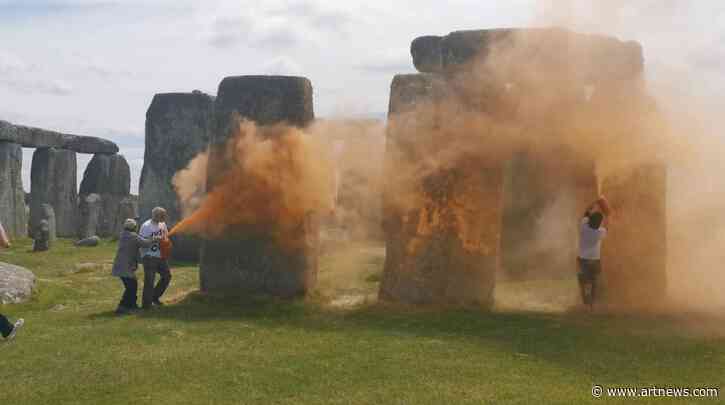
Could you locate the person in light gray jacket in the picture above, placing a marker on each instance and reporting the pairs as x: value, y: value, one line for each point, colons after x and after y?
x: 126, y: 263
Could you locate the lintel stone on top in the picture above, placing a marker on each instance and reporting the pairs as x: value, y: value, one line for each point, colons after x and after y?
x: 31, y: 137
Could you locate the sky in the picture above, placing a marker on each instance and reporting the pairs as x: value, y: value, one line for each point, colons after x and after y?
x: 91, y: 67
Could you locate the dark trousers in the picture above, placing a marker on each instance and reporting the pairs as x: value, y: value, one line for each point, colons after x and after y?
x: 130, y: 293
x: 151, y: 266
x: 5, y: 326
x: 588, y: 273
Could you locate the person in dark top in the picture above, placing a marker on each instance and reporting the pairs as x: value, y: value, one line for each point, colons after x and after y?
x: 126, y: 263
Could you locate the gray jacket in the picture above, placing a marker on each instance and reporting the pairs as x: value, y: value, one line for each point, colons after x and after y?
x: 126, y: 261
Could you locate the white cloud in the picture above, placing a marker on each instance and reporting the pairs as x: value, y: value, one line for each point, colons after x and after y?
x: 282, y: 66
x: 11, y: 63
x: 275, y: 26
x: 31, y: 86
x: 108, y: 58
x: 23, y: 77
x: 388, y: 62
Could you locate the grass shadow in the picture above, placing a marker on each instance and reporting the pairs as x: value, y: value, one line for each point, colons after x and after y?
x: 573, y: 341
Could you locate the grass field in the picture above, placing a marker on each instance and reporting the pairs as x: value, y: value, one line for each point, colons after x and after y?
x: 334, y: 347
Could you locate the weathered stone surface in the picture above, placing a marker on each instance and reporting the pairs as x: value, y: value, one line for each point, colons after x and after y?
x: 12, y: 196
x: 90, y: 144
x: 47, y: 214
x: 106, y: 174
x: 16, y: 284
x: 127, y: 208
x: 44, y: 233
x: 427, y: 53
x: 443, y: 240
x: 89, y: 212
x: 413, y: 91
x: 177, y: 129
x: 31, y: 137
x: 53, y: 181
x: 88, y: 242
x: 263, y: 99
x: 241, y: 262
x: 590, y: 58
x: 110, y: 177
x: 634, y: 258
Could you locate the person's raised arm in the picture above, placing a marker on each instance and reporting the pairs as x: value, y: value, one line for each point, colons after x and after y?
x: 606, y: 210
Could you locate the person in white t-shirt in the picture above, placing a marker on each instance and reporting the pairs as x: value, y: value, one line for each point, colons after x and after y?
x: 154, y: 228
x: 592, y: 230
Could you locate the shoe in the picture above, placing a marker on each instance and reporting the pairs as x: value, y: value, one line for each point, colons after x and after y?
x: 158, y: 303
x: 18, y: 324
x: 123, y: 311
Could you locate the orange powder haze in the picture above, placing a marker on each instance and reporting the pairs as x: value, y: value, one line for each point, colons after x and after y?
x: 272, y: 179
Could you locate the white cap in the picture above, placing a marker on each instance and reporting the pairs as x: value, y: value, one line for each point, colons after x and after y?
x: 129, y: 224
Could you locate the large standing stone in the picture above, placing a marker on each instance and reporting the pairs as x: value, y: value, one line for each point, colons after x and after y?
x: 108, y: 176
x: 53, y: 181
x: 177, y: 129
x: 242, y: 262
x: 443, y: 233
x: 634, y: 256
x: 16, y: 284
x: 12, y: 196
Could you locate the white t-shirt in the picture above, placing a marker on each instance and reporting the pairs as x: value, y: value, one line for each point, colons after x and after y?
x: 590, y: 240
x: 148, y: 230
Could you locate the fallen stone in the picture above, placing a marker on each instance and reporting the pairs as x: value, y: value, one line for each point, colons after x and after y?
x: 12, y: 196
x: 88, y: 242
x: 31, y: 137
x: 16, y: 284
x: 177, y: 129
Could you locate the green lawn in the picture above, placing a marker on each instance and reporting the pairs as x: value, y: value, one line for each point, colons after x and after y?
x: 205, y: 350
